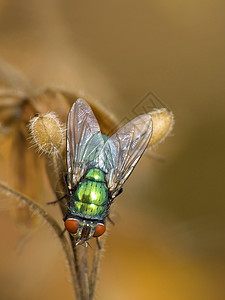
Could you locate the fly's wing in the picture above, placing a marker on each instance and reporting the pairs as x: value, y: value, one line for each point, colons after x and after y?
x: 123, y: 150
x: 83, y: 141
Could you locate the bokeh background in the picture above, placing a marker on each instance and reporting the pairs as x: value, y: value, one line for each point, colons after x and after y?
x: 168, y: 241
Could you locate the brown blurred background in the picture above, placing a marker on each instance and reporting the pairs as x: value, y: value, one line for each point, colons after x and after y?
x: 169, y: 241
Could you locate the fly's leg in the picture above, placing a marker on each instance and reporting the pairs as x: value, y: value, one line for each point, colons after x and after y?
x: 58, y: 200
x: 98, y: 243
x: 111, y: 198
x: 120, y: 191
x: 110, y: 220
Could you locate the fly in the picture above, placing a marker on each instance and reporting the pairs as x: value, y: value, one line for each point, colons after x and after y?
x: 97, y: 167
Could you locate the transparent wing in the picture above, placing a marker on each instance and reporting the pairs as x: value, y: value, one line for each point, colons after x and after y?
x: 83, y: 141
x: 123, y: 150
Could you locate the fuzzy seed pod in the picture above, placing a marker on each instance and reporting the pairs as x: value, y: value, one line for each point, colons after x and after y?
x: 47, y: 133
x: 163, y: 121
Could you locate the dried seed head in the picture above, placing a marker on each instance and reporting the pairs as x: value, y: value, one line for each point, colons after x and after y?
x: 47, y: 133
x: 162, y: 121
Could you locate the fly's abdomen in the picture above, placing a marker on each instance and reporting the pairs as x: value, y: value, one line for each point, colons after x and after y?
x: 91, y: 196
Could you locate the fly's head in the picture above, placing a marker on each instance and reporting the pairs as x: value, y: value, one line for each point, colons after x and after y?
x: 83, y: 230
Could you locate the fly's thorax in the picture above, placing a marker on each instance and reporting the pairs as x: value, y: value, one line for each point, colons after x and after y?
x: 91, y: 196
x: 95, y: 175
x: 83, y: 229
x: 92, y: 192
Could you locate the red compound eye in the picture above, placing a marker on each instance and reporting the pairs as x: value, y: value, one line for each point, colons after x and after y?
x: 71, y: 225
x: 99, y: 230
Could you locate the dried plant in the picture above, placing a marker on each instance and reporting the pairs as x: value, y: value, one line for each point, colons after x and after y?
x: 34, y: 122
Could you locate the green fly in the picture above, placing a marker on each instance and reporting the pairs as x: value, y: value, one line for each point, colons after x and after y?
x: 97, y: 167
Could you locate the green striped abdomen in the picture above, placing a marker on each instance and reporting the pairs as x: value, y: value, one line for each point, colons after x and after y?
x: 91, y: 196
